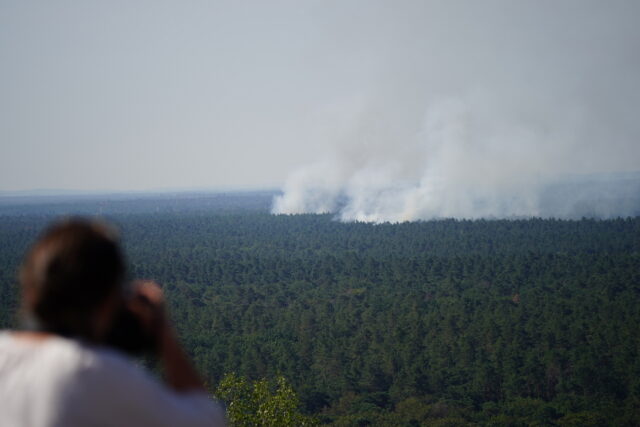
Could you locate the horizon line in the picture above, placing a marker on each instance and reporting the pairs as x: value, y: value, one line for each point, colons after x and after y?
x: 61, y: 192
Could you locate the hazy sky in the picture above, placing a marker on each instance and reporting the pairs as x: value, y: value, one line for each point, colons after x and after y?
x: 137, y: 95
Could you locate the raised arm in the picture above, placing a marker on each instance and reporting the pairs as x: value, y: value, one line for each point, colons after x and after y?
x: 148, y: 304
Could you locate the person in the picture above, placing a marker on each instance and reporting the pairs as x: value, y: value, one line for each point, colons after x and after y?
x: 63, y: 370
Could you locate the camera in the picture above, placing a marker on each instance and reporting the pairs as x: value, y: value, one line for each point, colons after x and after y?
x: 129, y: 335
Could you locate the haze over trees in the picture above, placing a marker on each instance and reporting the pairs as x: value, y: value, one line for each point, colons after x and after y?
x: 447, y: 322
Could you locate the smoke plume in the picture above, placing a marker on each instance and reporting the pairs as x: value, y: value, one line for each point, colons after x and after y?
x: 479, y: 110
x: 474, y: 157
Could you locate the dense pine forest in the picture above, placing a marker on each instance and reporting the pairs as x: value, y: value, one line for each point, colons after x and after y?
x: 445, y: 323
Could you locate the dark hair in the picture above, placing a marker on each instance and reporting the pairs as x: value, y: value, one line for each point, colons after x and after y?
x: 70, y: 272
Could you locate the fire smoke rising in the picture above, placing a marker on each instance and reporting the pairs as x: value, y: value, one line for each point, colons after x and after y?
x: 494, y: 109
x: 481, y: 156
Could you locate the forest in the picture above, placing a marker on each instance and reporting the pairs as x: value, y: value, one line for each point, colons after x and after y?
x: 522, y: 322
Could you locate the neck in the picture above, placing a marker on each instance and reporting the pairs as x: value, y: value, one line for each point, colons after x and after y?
x: 32, y: 335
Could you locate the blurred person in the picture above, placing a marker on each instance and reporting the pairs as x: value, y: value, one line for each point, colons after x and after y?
x: 68, y: 367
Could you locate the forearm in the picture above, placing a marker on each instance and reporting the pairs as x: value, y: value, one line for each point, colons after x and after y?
x: 148, y: 305
x: 179, y: 371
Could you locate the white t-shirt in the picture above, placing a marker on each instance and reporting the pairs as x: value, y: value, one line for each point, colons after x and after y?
x: 60, y: 382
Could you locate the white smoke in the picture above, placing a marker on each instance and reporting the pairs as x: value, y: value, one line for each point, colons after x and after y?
x: 478, y: 156
x: 492, y: 109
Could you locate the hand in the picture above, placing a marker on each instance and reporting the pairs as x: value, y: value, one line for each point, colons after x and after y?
x: 148, y: 305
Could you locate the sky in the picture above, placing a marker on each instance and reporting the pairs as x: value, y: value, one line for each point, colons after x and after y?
x: 148, y: 95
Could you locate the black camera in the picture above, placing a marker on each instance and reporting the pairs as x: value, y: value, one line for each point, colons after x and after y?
x: 129, y: 335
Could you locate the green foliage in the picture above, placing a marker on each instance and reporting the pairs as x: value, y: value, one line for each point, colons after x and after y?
x: 260, y: 403
x: 583, y: 419
x: 527, y: 322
